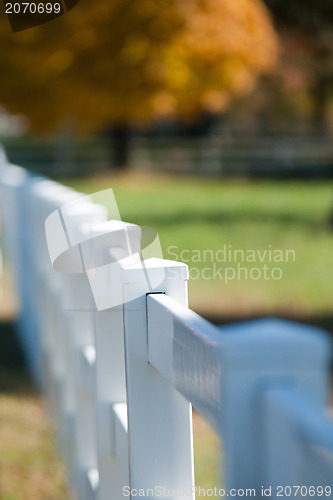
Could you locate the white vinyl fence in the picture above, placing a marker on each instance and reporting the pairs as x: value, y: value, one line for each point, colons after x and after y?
x: 120, y: 380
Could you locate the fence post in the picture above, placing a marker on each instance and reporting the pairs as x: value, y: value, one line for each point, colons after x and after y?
x: 108, y: 244
x: 44, y: 284
x: 12, y: 181
x: 76, y: 354
x: 255, y: 356
x: 70, y: 345
x: 3, y: 166
x: 297, y: 445
x: 159, y: 418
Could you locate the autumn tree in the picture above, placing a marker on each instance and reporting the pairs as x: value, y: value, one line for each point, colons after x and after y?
x: 123, y: 63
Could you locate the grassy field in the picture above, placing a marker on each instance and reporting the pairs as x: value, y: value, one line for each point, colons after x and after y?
x: 29, y: 466
x: 197, y: 218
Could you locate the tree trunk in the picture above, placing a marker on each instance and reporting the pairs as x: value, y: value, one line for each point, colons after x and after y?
x: 120, y: 144
x: 320, y: 96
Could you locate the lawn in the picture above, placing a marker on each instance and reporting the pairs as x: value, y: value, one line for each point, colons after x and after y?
x: 29, y: 466
x: 283, y: 226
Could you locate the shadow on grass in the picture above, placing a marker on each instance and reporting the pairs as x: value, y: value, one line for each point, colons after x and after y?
x: 225, y: 217
x: 14, y: 377
x: 324, y: 321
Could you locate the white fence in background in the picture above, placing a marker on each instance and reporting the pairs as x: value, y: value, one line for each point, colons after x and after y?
x: 120, y: 382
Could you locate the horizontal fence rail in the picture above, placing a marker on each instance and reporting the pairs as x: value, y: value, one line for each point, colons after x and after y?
x: 220, y: 155
x: 110, y: 340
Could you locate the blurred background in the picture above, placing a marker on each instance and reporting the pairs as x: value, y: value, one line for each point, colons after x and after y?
x: 212, y: 120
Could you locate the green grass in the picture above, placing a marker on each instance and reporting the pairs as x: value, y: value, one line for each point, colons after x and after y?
x: 29, y: 466
x: 207, y: 463
x: 30, y: 469
x: 197, y: 214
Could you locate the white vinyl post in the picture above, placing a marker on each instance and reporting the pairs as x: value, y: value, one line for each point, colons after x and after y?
x: 159, y: 418
x: 47, y: 197
x: 76, y: 353
x: 108, y: 244
x: 14, y: 182
x: 110, y: 391
x: 297, y: 445
x: 71, y: 345
x: 255, y: 356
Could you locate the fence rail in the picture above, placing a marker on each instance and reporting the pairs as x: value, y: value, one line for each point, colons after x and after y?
x: 120, y: 379
x: 208, y: 155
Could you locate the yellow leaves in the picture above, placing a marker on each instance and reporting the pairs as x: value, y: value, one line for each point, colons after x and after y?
x: 164, y: 104
x: 227, y: 44
x: 135, y: 51
x: 178, y: 71
x: 215, y: 101
x: 125, y: 61
x: 60, y: 61
x: 231, y: 29
x: 84, y: 39
x: 155, y: 71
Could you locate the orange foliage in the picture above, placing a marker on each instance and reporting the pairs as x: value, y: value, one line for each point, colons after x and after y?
x: 121, y: 61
